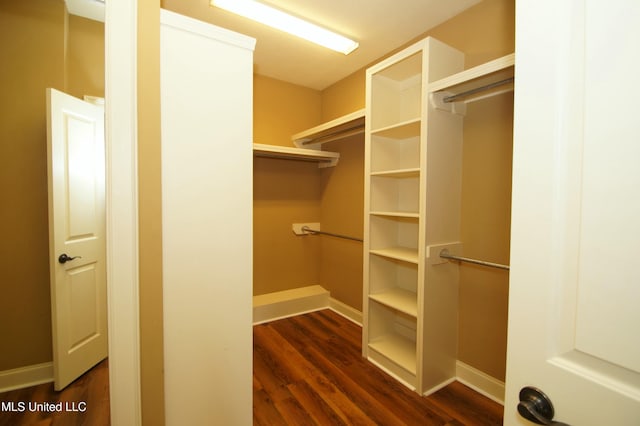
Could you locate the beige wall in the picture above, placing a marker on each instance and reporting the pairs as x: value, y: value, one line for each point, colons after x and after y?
x: 85, y: 57
x: 341, y: 210
x: 33, y: 60
x: 150, y: 214
x: 284, y: 192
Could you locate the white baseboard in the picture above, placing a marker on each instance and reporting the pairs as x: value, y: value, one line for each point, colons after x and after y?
x: 481, y: 382
x: 287, y: 303
x: 283, y: 304
x: 437, y: 387
x: 346, y: 311
x: 25, y: 377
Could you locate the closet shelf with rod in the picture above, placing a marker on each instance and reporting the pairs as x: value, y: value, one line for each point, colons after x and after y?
x: 334, y: 130
x: 323, y: 158
x: 486, y: 80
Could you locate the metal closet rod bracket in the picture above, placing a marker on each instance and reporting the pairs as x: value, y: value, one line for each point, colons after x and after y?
x: 315, y: 231
x: 444, y: 253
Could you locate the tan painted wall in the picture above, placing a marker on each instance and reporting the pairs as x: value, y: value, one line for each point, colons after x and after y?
x: 85, y: 57
x: 483, y: 32
x: 150, y: 214
x: 285, y: 192
x: 33, y: 60
x: 342, y: 213
x: 485, y: 229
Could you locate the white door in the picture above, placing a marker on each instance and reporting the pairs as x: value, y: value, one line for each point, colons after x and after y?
x: 76, y: 174
x: 574, y: 316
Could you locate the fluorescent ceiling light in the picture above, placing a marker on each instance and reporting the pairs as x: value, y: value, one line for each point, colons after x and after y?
x: 287, y: 23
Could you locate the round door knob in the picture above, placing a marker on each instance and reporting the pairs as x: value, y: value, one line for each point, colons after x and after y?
x: 536, y: 406
x: 64, y: 258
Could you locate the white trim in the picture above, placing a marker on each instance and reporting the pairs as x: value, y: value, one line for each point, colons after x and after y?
x: 298, y: 301
x: 439, y: 386
x: 288, y: 303
x: 205, y: 29
x: 24, y: 377
x: 480, y: 382
x: 122, y: 211
x: 346, y: 311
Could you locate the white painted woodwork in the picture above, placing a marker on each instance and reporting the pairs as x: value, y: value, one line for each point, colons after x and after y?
x: 76, y: 176
x: 287, y: 303
x: 573, y: 301
x: 122, y: 211
x: 206, y: 94
x: 323, y: 158
x: 334, y: 130
x: 412, y: 187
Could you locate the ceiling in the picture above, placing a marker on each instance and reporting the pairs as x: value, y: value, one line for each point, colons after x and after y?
x: 378, y: 25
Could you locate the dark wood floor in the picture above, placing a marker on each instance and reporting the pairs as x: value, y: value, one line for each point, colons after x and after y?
x: 91, y: 389
x: 309, y: 370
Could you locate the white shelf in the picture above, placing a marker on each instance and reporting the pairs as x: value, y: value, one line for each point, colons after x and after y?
x: 487, y: 73
x: 398, y: 173
x: 401, y: 130
x: 399, y: 349
x: 398, y: 299
x: 340, y: 128
x: 412, y: 215
x: 324, y: 158
x: 399, y: 253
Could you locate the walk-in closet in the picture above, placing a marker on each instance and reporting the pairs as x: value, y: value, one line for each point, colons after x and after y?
x: 393, y: 208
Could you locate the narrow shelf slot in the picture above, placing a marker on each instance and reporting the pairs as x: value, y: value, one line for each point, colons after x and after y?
x: 400, y: 253
x: 402, y: 130
x: 399, y: 349
x: 399, y: 299
x: 395, y: 155
x: 400, y: 195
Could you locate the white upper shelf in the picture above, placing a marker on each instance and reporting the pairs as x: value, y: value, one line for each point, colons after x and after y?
x: 482, y: 75
x: 323, y: 158
x: 309, y: 142
x: 340, y: 128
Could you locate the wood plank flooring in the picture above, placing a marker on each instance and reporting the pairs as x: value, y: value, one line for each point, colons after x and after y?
x: 92, y: 389
x: 309, y: 370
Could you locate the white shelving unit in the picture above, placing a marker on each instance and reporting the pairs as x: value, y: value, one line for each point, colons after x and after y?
x: 409, y: 184
x: 413, y: 169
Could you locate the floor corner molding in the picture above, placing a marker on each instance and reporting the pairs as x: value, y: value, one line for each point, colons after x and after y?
x: 23, y: 377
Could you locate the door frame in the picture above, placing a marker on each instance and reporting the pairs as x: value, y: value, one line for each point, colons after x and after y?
x: 122, y: 211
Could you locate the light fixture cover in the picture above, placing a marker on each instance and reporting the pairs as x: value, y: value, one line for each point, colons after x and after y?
x: 284, y: 22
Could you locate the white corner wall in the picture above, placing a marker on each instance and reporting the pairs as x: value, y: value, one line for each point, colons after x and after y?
x: 206, y: 96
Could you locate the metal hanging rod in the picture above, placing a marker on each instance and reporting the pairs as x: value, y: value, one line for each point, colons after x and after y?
x: 445, y: 255
x: 315, y: 231
x: 452, y: 98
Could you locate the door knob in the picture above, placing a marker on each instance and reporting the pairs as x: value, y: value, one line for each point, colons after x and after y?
x: 64, y: 258
x: 535, y: 406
